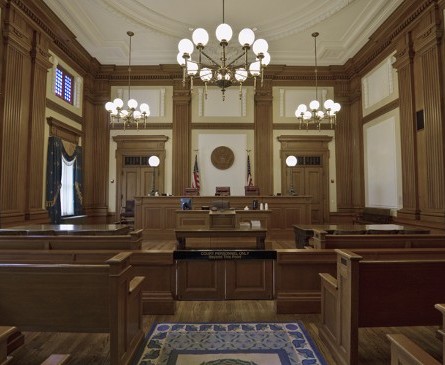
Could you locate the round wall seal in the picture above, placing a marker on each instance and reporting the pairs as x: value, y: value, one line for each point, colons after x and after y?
x: 222, y: 157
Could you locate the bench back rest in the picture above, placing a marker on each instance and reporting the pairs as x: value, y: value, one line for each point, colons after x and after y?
x: 400, y: 293
x: 72, y: 298
x: 393, y: 292
x: 72, y: 242
x: 352, y: 242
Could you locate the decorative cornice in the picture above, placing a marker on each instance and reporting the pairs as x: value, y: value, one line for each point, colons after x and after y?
x: 149, y: 126
x: 296, y: 126
x: 43, y: 19
x: 401, y: 20
x: 64, y: 131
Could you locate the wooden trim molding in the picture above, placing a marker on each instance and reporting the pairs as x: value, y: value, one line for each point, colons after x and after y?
x: 381, y: 111
x: 64, y: 131
x: 222, y: 126
x: 65, y: 112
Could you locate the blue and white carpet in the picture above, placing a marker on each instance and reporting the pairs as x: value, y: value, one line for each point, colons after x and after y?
x: 229, y: 344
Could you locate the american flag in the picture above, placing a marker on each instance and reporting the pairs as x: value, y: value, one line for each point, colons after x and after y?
x: 195, y: 176
x: 249, y: 181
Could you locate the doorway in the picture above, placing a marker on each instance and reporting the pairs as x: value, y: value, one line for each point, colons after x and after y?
x: 310, y: 177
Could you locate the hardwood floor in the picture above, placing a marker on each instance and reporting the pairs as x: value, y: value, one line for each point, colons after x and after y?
x: 92, y: 349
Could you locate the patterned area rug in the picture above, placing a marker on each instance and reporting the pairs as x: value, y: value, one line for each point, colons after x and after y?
x: 229, y: 344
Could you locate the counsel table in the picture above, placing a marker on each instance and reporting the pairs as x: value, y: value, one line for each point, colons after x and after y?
x: 305, y: 231
x: 183, y: 233
x: 66, y: 229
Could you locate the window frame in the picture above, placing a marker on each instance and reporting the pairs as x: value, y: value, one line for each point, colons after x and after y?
x: 65, y: 74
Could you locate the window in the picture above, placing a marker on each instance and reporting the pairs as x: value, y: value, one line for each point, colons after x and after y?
x: 67, y: 189
x: 64, y: 85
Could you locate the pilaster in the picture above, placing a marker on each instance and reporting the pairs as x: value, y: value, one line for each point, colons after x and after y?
x: 181, y: 166
x: 263, y: 116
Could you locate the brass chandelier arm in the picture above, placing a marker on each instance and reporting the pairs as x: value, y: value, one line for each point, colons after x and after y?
x: 231, y: 64
x: 210, y: 59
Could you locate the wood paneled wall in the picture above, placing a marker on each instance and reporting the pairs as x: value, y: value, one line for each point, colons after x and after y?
x: 30, y: 29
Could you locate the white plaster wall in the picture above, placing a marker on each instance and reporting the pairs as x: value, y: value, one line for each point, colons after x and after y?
x: 287, y: 99
x: 382, y: 161
x: 211, y: 177
x: 380, y: 86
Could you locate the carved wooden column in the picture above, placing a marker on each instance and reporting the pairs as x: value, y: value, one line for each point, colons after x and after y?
x: 264, y: 138
x: 15, y: 115
x: 181, y: 133
x: 427, y: 45
x: 34, y: 179
x: 96, y: 147
x: 348, y: 146
x: 405, y: 71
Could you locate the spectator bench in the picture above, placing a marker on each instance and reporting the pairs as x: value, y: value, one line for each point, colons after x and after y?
x: 368, y: 293
x: 406, y: 352
x: 103, y: 298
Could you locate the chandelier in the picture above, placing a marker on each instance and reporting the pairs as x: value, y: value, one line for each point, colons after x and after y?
x: 313, y: 115
x: 223, y: 73
x: 129, y: 116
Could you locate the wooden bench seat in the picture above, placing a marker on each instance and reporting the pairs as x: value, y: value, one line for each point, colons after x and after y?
x: 405, y: 352
x: 102, y: 298
x: 5, y: 333
x: 367, y: 293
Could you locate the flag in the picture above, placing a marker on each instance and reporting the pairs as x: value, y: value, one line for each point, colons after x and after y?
x: 249, y: 181
x: 195, y: 176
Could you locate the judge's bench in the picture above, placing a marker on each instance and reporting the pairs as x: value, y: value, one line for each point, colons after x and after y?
x: 158, y: 216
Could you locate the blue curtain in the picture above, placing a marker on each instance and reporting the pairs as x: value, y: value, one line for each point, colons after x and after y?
x: 54, y: 177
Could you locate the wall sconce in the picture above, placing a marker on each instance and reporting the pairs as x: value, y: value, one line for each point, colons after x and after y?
x: 291, y: 161
x: 154, y: 161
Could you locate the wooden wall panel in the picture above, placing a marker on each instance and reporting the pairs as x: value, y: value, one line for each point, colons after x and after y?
x: 426, y: 42
x: 16, y: 72
x: 405, y: 70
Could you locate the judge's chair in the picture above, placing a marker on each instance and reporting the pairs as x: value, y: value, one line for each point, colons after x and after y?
x: 191, y: 192
x: 251, y: 190
x: 222, y: 191
x: 127, y: 213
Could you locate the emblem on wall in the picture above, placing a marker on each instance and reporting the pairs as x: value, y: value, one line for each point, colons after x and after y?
x: 222, y: 157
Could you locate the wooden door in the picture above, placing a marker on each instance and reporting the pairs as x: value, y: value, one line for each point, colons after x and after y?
x: 313, y: 186
x: 130, y: 184
x: 308, y: 180
x: 311, y: 175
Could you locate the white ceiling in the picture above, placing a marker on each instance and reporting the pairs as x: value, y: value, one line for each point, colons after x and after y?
x: 344, y: 25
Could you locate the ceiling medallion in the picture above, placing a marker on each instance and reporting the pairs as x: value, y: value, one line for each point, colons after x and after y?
x: 222, y: 157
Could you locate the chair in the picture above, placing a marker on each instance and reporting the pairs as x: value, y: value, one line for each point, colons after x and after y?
x: 251, y: 190
x: 127, y: 213
x: 191, y: 192
x: 222, y: 191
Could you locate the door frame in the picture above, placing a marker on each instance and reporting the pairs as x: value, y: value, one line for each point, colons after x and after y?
x: 299, y: 145
x: 138, y: 145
